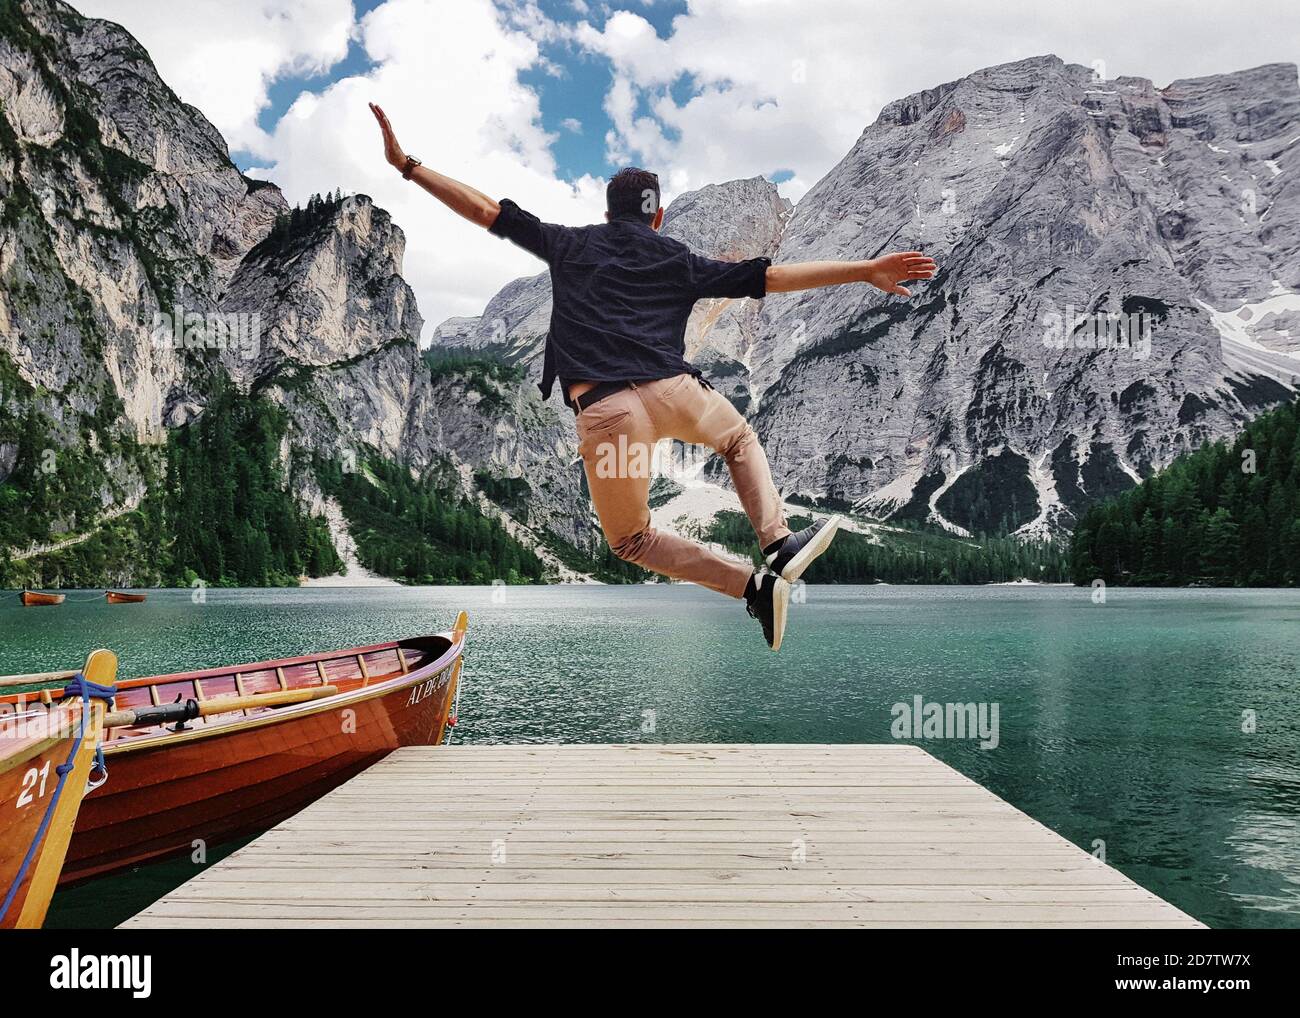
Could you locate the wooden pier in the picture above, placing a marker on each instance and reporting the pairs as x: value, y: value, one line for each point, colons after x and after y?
x: 661, y: 835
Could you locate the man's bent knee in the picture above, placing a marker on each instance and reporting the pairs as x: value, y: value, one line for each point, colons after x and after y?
x: 737, y: 442
x: 632, y: 547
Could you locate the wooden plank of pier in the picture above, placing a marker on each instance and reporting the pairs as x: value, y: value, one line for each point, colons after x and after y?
x: 661, y: 835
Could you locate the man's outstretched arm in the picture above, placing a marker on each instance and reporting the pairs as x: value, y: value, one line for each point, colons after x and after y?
x: 460, y: 198
x: 884, y: 273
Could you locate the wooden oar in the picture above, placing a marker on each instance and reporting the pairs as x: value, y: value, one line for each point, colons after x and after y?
x: 101, y: 668
x: 187, y: 710
x: 34, y: 678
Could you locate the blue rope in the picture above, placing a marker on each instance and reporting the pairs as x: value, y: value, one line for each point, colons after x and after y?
x: 79, y: 686
x: 87, y: 690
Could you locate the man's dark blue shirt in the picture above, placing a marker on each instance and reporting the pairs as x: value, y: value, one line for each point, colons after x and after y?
x: 621, y: 294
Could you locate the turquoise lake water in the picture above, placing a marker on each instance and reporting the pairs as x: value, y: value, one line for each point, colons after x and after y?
x: 1121, y: 722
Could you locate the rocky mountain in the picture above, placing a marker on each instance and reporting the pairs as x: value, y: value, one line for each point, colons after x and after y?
x: 1048, y: 197
x: 115, y: 193
x: 140, y: 272
x: 121, y: 211
x: 1119, y: 277
x: 142, y: 275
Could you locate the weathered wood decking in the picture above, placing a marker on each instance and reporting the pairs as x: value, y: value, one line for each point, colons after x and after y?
x: 661, y: 835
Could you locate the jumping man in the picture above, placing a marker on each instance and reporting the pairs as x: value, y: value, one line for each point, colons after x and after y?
x: 621, y: 295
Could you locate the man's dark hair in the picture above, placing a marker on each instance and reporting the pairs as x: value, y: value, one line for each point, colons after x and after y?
x: 633, y: 193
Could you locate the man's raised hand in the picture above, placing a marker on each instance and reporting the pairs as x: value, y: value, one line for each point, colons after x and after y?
x: 392, y: 151
x: 886, y: 272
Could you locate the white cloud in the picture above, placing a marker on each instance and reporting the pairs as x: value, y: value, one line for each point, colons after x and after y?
x: 778, y: 84
x: 448, y: 79
x: 631, y: 44
x: 222, y: 55
x: 792, y: 83
x: 446, y: 74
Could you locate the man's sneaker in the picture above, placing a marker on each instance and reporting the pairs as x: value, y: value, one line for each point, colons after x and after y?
x: 768, y: 600
x: 796, y: 553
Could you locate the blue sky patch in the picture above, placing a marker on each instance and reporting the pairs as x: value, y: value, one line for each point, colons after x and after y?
x: 571, y: 102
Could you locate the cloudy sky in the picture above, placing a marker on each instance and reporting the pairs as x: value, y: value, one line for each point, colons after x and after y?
x: 540, y: 100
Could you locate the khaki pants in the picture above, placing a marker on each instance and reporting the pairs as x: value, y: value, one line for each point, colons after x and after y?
x: 616, y: 438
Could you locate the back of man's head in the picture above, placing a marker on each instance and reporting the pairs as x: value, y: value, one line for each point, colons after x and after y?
x: 633, y: 193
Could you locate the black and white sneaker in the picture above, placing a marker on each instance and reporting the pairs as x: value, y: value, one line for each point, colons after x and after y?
x: 768, y: 599
x: 796, y: 553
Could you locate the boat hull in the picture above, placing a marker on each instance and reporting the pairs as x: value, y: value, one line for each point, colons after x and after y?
x: 23, y: 801
x: 118, y: 597
x: 33, y: 598
x: 38, y: 806
x: 186, y: 793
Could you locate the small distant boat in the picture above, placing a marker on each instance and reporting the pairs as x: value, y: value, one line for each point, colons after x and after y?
x: 35, y: 597
x: 122, y: 597
x: 46, y: 754
x: 227, y: 752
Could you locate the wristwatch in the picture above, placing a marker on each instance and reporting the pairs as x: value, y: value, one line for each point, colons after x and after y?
x: 409, y: 168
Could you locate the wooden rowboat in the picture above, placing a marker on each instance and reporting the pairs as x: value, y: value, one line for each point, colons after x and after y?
x: 208, y: 780
x: 38, y: 805
x: 121, y: 597
x: 35, y: 597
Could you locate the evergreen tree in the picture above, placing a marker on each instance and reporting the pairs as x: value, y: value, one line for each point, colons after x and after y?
x: 908, y: 557
x: 1225, y: 514
x: 227, y: 503
x: 420, y: 530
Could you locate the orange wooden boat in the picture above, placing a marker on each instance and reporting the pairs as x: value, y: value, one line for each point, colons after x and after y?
x: 121, y: 597
x: 35, y: 597
x: 180, y: 780
x: 38, y: 805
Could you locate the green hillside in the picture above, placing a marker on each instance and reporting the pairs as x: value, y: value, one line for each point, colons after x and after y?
x: 1224, y: 515
x: 903, y: 555
x: 418, y: 530
x: 219, y: 506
